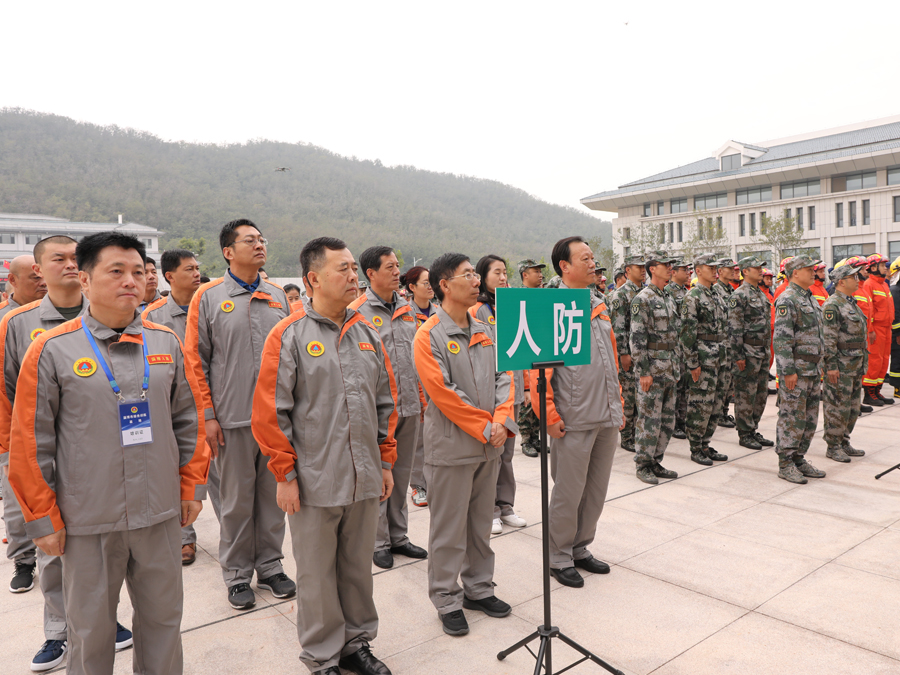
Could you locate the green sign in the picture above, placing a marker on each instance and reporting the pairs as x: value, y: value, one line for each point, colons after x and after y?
x: 543, y: 324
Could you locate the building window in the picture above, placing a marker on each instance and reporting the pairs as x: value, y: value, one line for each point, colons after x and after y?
x: 806, y: 188
x: 648, y: 210
x: 893, y: 249
x: 742, y: 231
x: 812, y: 217
x: 660, y: 208
x: 851, y: 212
x: 839, y: 214
x: 706, y: 202
x: 800, y: 218
x: 626, y: 233
x: 671, y: 232
x: 861, y: 181
x: 679, y: 205
x: 731, y: 162
x: 847, y: 250
x: 700, y: 220
x: 754, y: 195
x: 894, y: 176
x: 626, y: 251
x: 148, y: 243
x: 812, y: 251
x: 7, y: 239
x: 897, y: 209
x: 752, y: 224
x: 32, y: 239
x: 867, y: 213
x: 680, y: 232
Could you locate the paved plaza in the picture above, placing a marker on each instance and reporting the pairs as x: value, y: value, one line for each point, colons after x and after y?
x: 726, y: 570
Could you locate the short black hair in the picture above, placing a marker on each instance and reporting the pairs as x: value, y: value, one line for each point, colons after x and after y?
x: 87, y: 253
x: 371, y: 259
x: 618, y: 274
x: 443, y: 268
x: 150, y: 261
x: 42, y: 244
x: 313, y: 254
x: 287, y: 288
x: 228, y: 235
x: 481, y: 268
x: 172, y: 258
x: 561, y: 251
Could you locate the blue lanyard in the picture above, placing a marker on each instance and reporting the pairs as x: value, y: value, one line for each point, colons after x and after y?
x: 109, y: 376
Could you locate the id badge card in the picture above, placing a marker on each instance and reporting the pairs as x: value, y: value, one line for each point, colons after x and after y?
x: 134, y: 423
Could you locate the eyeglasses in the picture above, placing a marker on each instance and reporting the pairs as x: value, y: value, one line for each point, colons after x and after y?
x: 470, y: 276
x: 426, y: 284
x: 252, y: 241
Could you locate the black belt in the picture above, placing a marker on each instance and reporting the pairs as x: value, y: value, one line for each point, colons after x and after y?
x: 661, y: 346
x: 808, y: 359
x: 754, y: 342
x: 852, y: 345
x: 710, y: 337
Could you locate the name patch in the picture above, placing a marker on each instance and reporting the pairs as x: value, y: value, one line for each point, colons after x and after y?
x: 153, y: 359
x: 275, y: 305
x: 407, y: 317
x: 366, y: 347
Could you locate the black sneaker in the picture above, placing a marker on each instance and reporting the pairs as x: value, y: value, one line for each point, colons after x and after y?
x: 124, y: 638
x: 280, y: 585
x: 241, y: 596
x: 23, y: 578
x: 455, y: 622
x: 492, y: 606
x: 50, y: 655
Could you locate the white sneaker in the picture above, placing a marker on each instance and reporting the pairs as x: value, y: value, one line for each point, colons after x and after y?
x: 514, y: 520
x: 496, y: 527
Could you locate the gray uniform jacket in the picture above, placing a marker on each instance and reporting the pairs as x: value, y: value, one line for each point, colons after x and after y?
x: 323, y: 409
x: 68, y: 467
x: 397, y: 329
x: 227, y: 327
x: 486, y: 314
x: 589, y: 396
x: 7, y: 306
x: 465, y: 392
x: 166, y: 312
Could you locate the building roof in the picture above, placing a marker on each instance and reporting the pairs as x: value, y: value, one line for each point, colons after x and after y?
x: 25, y: 222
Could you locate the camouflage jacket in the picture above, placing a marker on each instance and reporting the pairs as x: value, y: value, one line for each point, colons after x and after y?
x: 844, y: 326
x: 597, y: 293
x: 677, y: 293
x: 620, y: 313
x: 554, y: 282
x: 798, y: 340
x: 654, y: 335
x: 704, y: 324
x: 749, y: 321
x: 723, y: 289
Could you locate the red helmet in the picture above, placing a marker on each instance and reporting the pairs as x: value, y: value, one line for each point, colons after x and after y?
x: 876, y: 258
x: 785, y: 262
x: 819, y: 266
x: 767, y: 272
x: 856, y: 261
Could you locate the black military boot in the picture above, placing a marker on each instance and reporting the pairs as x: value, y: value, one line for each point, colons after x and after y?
x: 871, y: 398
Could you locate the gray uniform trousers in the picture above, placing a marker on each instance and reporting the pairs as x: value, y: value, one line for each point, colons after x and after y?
x: 417, y: 477
x: 336, y: 613
x: 148, y: 560
x: 461, y: 499
x: 393, y: 518
x: 506, y: 479
x: 580, y: 464
x: 188, y: 535
x: 251, y: 526
x: 19, y: 547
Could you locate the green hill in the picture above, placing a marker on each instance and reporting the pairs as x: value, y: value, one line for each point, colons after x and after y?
x: 56, y: 166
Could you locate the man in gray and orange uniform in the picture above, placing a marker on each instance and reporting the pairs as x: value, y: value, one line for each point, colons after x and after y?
x: 182, y: 272
x: 584, y: 428
x: 467, y: 421
x: 395, y: 321
x: 323, y: 411
x: 27, y: 284
x: 227, y: 325
x: 96, y: 398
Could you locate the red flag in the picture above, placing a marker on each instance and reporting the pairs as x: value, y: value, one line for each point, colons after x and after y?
x: 6, y: 264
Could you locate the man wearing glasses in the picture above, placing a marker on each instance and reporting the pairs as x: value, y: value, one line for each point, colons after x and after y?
x: 227, y: 325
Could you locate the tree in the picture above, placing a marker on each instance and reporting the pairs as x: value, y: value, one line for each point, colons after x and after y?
x: 605, y: 255
x: 642, y: 239
x: 781, y: 236
x: 705, y: 234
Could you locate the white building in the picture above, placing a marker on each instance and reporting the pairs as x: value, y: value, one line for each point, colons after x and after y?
x: 842, y: 186
x: 20, y: 232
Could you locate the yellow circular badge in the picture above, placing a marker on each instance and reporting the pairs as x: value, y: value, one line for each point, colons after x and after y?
x: 85, y: 367
x: 453, y: 347
x: 315, y: 348
x: 36, y: 332
x: 492, y: 320
x: 378, y: 321
x: 227, y: 305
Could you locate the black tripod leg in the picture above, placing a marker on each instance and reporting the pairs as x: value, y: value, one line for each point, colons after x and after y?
x: 593, y: 657
x: 545, y: 644
x: 888, y: 471
x: 521, y: 643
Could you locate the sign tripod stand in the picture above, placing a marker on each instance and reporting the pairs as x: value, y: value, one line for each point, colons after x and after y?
x: 547, y: 631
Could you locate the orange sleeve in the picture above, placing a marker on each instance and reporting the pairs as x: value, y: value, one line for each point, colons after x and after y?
x: 192, y: 351
x: 552, y: 415
x: 145, y: 315
x: 388, y: 447
x: 467, y: 417
x: 5, y: 405
x: 603, y: 313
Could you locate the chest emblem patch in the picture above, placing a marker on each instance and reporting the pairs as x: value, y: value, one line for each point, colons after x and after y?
x: 159, y: 358
x: 829, y: 315
x: 453, y: 347
x: 226, y: 306
x: 85, y: 367
x: 315, y: 348
x: 635, y: 308
x: 407, y: 317
x: 782, y: 311
x: 378, y: 321
x: 36, y: 332
x: 492, y: 320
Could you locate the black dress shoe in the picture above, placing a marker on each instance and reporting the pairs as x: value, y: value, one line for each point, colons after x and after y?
x: 492, y: 606
x: 383, y: 559
x: 362, y: 662
x: 865, y: 408
x: 568, y: 576
x: 591, y: 564
x: 410, y: 550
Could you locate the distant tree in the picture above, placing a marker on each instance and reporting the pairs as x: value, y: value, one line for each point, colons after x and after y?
x: 398, y: 253
x: 781, y: 236
x: 704, y: 234
x: 197, y: 246
x: 642, y: 238
x: 605, y: 255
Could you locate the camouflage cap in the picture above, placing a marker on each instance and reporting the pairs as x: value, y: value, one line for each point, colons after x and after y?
x: 363, y: 283
x: 725, y: 262
x: 660, y: 257
x: 634, y: 260
x: 843, y: 272
x: 619, y: 271
x: 680, y: 262
x: 598, y: 267
x: 798, y: 262
x: 528, y: 263
x: 706, y: 259
x: 751, y: 261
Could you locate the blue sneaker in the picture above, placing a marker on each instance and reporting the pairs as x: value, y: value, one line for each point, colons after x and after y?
x: 50, y: 655
x: 123, y: 637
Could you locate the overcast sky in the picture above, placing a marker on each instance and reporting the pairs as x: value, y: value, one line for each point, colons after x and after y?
x: 561, y: 99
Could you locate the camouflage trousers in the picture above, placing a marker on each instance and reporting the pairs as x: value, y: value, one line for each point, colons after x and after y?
x: 728, y: 371
x: 529, y: 425
x: 656, y: 412
x: 681, y: 397
x: 626, y: 380
x: 704, y: 406
x: 840, y: 404
x: 798, y: 414
x: 751, y: 391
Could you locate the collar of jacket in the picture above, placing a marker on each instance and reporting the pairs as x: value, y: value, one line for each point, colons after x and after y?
x: 174, y: 307
x: 798, y: 289
x: 315, y: 316
x: 450, y: 326
x: 236, y: 288
x: 103, y: 332
x: 48, y: 311
x: 396, y: 300
x: 595, y: 301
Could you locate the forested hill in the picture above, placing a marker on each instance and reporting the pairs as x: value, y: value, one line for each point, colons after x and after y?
x: 56, y: 166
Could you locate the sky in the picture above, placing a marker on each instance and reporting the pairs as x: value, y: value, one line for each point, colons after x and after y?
x: 562, y: 100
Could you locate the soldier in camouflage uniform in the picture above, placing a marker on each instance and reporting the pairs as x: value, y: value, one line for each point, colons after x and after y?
x: 655, y: 355
x: 620, y: 314
x: 595, y: 287
x: 704, y: 324
x: 799, y: 350
x: 677, y: 289
x: 554, y: 282
x: 749, y: 317
x: 529, y: 426
x: 846, y: 362
x: 724, y: 289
